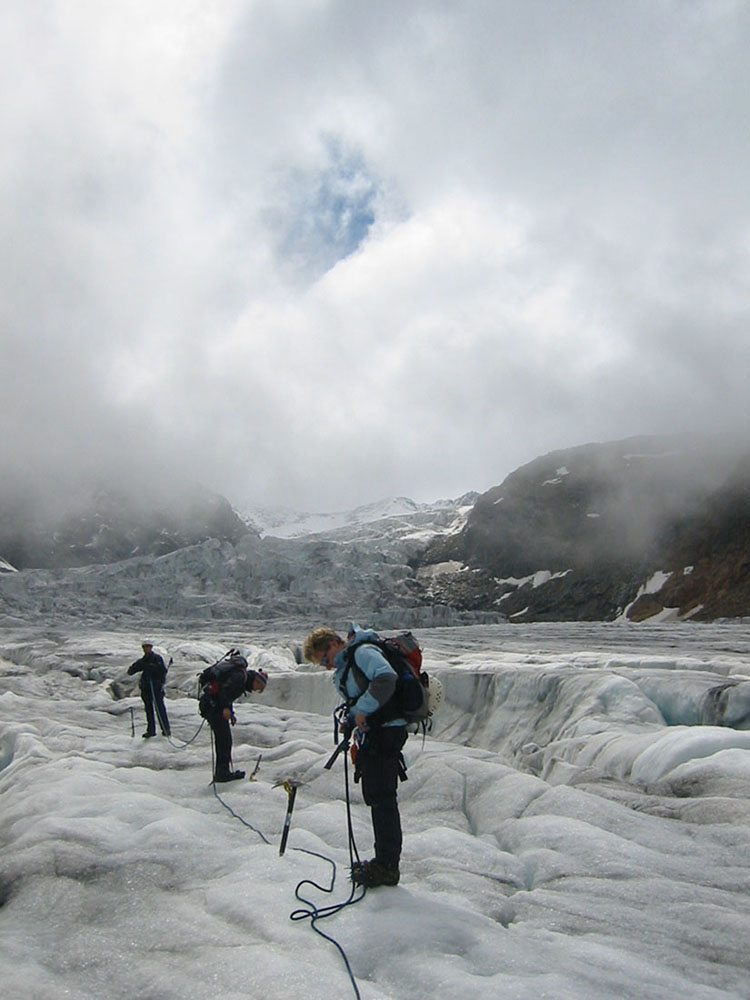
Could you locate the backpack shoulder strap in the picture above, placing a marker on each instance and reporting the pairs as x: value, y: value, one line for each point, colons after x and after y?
x: 351, y: 665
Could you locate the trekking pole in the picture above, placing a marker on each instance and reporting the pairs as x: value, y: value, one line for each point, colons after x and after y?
x: 291, y: 790
x: 132, y: 722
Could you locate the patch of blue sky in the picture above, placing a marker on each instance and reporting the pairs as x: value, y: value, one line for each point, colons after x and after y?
x: 328, y: 212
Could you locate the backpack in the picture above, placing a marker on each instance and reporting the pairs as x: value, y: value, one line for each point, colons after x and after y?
x: 222, y: 682
x: 411, y: 699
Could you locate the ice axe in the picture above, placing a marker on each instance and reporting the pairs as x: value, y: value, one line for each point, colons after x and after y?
x: 343, y: 746
x: 291, y: 787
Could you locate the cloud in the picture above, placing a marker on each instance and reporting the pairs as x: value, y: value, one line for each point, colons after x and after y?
x: 322, y: 252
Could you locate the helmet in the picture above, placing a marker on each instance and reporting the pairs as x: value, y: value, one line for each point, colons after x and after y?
x: 435, y: 694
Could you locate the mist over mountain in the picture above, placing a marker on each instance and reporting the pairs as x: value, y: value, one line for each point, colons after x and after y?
x: 101, y: 525
x: 645, y: 528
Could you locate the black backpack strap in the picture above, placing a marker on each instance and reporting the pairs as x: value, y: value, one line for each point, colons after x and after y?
x: 359, y: 676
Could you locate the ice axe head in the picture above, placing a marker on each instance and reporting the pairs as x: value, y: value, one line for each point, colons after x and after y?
x: 287, y: 784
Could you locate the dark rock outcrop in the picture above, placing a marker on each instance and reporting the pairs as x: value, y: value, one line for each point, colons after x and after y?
x: 707, y: 554
x: 641, y: 527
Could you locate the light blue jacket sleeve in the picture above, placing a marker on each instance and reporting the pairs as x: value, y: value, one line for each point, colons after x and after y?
x: 379, y: 673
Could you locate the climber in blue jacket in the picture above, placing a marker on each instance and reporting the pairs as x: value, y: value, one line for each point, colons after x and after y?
x: 367, y: 681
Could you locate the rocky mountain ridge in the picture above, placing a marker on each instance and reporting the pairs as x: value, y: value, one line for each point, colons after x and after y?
x: 641, y: 528
x: 283, y: 522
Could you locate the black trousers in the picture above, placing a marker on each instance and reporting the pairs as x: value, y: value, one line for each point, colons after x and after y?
x: 153, y: 697
x: 379, y: 764
x: 222, y: 731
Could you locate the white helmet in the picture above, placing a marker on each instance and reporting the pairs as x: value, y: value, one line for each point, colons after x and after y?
x: 435, y: 699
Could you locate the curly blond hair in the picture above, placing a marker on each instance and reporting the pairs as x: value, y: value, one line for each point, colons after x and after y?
x: 318, y: 642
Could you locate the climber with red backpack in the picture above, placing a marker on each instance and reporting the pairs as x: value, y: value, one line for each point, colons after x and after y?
x: 220, y: 684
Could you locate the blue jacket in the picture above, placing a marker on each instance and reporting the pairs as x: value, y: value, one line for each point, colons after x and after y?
x: 378, y: 672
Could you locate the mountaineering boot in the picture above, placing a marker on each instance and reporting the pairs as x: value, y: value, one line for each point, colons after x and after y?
x: 230, y: 776
x: 147, y: 735
x: 372, y: 874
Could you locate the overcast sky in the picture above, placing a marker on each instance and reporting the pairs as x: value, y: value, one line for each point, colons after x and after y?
x: 320, y: 252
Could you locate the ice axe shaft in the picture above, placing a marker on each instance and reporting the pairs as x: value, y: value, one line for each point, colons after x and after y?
x: 291, y: 790
x: 341, y: 747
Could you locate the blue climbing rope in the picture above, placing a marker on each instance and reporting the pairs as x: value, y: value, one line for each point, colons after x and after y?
x: 315, y: 913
